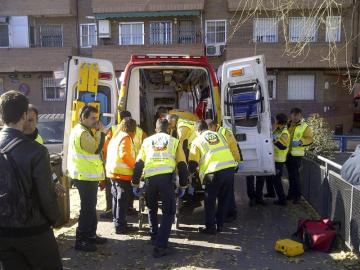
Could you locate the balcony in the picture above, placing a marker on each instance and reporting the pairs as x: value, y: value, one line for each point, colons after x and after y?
x: 37, y: 8
x: 33, y: 59
x: 234, y: 5
x: 115, y: 6
x: 120, y: 54
x: 315, y: 56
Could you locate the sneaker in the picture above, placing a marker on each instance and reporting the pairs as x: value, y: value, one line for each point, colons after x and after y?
x: 161, y: 252
x: 125, y: 230
x: 97, y: 240
x: 269, y: 195
x: 281, y: 203
x: 261, y: 202
x: 207, y: 230
x: 219, y: 229
x: 106, y: 215
x: 252, y: 202
x: 86, y: 246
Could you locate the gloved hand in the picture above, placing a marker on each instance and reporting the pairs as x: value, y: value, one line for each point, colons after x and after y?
x: 136, y: 191
x: 241, y: 166
x: 296, y: 143
x: 191, y: 190
x: 181, y: 192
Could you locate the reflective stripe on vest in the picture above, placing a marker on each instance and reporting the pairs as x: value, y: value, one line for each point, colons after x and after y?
x: 160, y: 154
x: 280, y: 155
x: 39, y: 139
x: 138, y: 139
x: 82, y: 165
x: 299, y: 151
x: 215, y: 153
x: 114, y: 163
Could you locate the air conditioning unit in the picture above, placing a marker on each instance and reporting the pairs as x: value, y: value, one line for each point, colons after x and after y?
x: 104, y: 29
x: 215, y: 50
x: 4, y: 19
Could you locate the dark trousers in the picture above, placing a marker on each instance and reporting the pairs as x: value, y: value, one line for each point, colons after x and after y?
x: 108, y: 194
x: 33, y: 252
x: 163, y: 186
x: 87, y: 224
x: 277, y: 183
x: 232, y: 203
x: 121, y: 191
x: 218, y: 186
x: 255, y: 188
x: 293, y: 165
x: 270, y: 185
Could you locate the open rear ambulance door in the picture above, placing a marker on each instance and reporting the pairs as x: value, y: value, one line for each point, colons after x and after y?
x: 246, y: 111
x: 89, y: 82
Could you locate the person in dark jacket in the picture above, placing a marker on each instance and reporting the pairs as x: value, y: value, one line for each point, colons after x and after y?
x: 28, y: 245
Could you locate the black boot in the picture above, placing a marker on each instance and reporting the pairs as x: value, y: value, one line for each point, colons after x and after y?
x: 85, y: 245
x: 161, y: 252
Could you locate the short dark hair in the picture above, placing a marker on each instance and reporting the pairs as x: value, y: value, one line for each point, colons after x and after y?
x: 162, y: 125
x: 296, y: 110
x: 128, y: 125
x: 13, y: 105
x: 201, y: 125
x: 172, y: 117
x: 33, y: 109
x: 281, y: 118
x: 124, y: 114
x: 87, y: 110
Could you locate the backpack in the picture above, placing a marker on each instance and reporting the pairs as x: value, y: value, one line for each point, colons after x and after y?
x: 14, y: 202
x: 318, y: 235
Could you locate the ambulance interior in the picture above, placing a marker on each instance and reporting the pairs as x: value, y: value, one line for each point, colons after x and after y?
x: 154, y: 90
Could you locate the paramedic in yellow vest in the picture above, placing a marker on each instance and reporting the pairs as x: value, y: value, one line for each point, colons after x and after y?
x: 300, y: 136
x: 281, y: 140
x: 120, y: 163
x: 235, y: 151
x: 30, y: 128
x: 159, y: 157
x: 183, y: 130
x: 85, y: 167
x: 210, y: 152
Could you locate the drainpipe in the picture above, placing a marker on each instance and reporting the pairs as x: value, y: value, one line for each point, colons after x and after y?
x: 201, y: 28
x: 77, y: 29
x: 355, y: 31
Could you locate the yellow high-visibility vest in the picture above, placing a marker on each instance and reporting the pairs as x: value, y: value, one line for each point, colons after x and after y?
x: 39, y: 139
x: 188, y: 124
x: 280, y: 155
x: 160, y: 154
x: 298, y: 151
x: 215, y: 153
x: 82, y: 165
x: 114, y: 163
x: 138, y: 139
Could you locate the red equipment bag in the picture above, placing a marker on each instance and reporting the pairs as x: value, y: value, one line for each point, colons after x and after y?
x: 318, y: 235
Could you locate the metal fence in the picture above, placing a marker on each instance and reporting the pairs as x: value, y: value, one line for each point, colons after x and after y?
x: 333, y: 197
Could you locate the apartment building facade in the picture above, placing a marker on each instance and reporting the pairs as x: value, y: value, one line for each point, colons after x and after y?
x: 36, y: 37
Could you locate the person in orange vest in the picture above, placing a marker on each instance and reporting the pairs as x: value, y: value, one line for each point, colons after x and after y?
x: 138, y: 139
x: 120, y: 163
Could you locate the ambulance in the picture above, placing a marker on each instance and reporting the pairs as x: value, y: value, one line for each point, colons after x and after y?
x: 185, y: 85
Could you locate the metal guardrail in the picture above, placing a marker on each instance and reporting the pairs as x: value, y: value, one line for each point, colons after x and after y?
x: 344, y: 139
x: 333, y: 197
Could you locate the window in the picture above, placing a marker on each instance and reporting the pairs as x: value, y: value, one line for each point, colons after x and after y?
x: 271, y: 86
x: 301, y: 87
x: 265, y: 30
x: 4, y: 35
x: 333, y: 28
x: 1, y: 85
x: 51, y: 92
x: 160, y: 33
x: 131, y: 33
x: 215, y: 32
x: 88, y: 34
x: 303, y: 29
x: 186, y: 32
x: 51, y: 35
